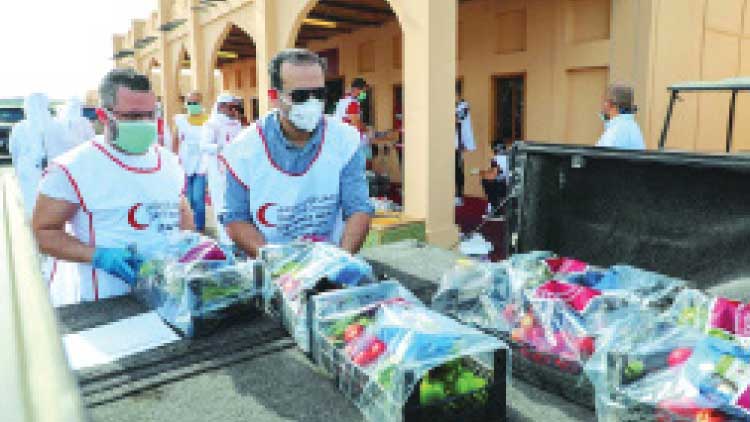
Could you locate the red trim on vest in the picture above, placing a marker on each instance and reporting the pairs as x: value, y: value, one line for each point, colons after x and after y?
x: 231, y: 171
x: 277, y: 167
x: 160, y: 131
x: 75, y: 186
x: 127, y: 167
x: 54, y: 271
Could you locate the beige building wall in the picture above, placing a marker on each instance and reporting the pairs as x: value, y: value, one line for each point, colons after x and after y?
x: 240, y: 78
x: 561, y: 47
x: 700, y: 40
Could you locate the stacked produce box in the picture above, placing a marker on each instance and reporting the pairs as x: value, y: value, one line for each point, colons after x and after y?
x: 551, y: 311
x: 393, y: 357
x: 296, y: 272
x: 194, y: 285
x: 397, y: 360
x: 690, y: 363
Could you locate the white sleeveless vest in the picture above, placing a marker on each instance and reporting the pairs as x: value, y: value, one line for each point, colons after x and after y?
x: 193, y: 160
x: 288, y: 206
x: 120, y: 206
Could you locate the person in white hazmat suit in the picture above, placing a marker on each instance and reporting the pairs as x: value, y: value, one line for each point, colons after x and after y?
x: 121, y: 193
x: 34, y: 142
x: 71, y: 117
x: 218, y: 132
x: 621, y: 131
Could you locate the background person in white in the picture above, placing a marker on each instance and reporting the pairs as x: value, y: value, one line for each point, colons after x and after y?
x: 218, y: 132
x: 120, y: 193
x: 464, y: 141
x: 295, y: 174
x: 618, y: 113
x: 79, y: 128
x: 189, y: 133
x: 34, y: 142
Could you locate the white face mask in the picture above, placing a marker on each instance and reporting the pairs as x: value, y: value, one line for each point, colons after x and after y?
x: 307, y: 115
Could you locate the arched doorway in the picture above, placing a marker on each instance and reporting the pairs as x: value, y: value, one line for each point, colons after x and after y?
x: 234, y: 68
x: 363, y: 39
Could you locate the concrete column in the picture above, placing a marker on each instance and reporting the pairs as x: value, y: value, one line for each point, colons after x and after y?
x: 429, y: 98
x: 266, y: 46
x: 167, y: 58
x: 199, y: 67
x: 117, y: 43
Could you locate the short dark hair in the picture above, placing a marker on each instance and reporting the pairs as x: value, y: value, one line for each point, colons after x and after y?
x: 116, y: 78
x: 294, y: 56
x: 621, y: 96
x: 359, y: 83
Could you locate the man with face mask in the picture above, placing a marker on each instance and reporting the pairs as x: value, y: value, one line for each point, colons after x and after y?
x: 295, y: 174
x: 120, y: 192
x: 618, y: 113
x: 348, y: 109
x: 218, y: 132
x: 194, y: 161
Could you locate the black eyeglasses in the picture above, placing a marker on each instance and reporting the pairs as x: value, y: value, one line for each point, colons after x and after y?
x: 303, y: 94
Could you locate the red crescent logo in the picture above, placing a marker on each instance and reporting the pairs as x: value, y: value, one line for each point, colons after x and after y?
x: 262, y: 214
x: 131, y: 218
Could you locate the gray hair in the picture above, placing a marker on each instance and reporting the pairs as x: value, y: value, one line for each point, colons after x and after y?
x: 117, y: 78
x: 293, y: 56
x: 621, y: 96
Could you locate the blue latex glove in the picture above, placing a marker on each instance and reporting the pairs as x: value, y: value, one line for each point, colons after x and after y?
x: 119, y: 262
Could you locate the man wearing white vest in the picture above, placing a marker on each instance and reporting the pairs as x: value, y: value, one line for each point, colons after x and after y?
x: 194, y: 161
x: 218, y: 132
x: 120, y: 192
x: 295, y: 174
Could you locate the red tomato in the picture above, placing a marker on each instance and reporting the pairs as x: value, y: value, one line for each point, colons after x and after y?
x: 352, y: 332
x: 585, y: 346
x: 679, y: 356
x: 370, y: 353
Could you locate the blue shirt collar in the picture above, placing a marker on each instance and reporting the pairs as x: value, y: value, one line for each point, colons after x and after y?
x: 272, y: 131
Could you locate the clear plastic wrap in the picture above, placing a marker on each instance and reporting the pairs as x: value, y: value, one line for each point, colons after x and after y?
x: 296, y: 271
x: 190, y: 280
x: 411, y: 352
x: 474, y: 292
x: 628, y: 353
x: 340, y: 315
x: 679, y: 375
x: 716, y: 316
x: 550, y: 309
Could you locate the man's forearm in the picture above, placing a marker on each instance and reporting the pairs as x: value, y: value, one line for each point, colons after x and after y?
x: 246, y: 236
x: 186, y: 216
x: 355, y: 232
x: 61, y: 245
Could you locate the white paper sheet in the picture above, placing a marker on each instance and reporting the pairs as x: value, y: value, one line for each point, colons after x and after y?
x: 110, y: 342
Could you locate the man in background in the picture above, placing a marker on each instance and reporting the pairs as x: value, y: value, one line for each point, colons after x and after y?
x: 189, y: 134
x: 621, y: 131
x: 464, y: 141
